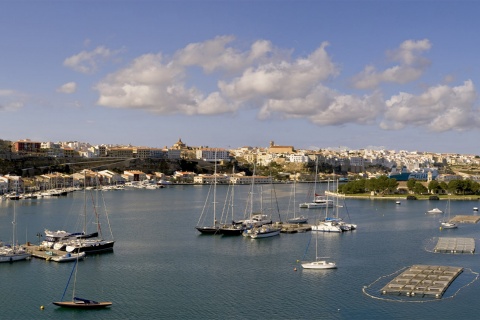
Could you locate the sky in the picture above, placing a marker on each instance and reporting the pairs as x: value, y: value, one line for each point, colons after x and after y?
x: 397, y: 74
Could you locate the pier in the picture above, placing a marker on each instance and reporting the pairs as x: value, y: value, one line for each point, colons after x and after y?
x: 423, y: 280
x: 455, y: 245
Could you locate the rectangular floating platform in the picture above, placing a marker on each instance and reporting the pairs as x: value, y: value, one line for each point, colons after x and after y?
x: 423, y: 280
x: 465, y: 219
x: 455, y: 245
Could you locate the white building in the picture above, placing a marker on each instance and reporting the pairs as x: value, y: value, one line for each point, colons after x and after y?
x: 212, y: 154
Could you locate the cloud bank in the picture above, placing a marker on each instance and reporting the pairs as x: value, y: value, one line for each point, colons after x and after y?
x: 280, y: 85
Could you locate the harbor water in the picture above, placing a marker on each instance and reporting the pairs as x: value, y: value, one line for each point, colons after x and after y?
x: 162, y: 268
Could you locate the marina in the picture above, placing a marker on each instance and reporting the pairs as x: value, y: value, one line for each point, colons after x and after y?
x: 162, y: 267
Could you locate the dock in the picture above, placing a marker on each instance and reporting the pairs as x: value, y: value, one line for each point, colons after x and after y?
x: 42, y: 253
x: 423, y: 280
x: 465, y: 219
x: 455, y: 245
x: 294, y: 228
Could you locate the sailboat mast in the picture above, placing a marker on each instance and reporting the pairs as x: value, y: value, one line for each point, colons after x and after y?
x: 14, y: 226
x: 85, y: 202
x: 215, y: 191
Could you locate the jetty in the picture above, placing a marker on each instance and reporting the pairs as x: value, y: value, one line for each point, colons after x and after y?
x: 423, y: 280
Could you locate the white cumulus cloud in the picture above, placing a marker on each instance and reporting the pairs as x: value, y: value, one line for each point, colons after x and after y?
x: 279, y: 85
x: 69, y: 87
x: 411, y: 66
x: 439, y: 108
x: 87, y: 61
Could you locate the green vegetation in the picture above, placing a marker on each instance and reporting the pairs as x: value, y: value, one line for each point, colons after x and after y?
x: 383, y: 185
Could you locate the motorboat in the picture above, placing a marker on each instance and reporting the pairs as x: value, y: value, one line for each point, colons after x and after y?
x: 448, y: 225
x: 434, y: 211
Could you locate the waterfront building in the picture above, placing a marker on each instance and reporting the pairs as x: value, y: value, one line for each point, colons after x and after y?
x: 134, y: 175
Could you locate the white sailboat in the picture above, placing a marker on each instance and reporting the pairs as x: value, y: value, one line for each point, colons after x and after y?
x: 259, y: 225
x: 233, y: 228
x: 296, y: 218
x: 14, y: 252
x: 328, y: 224
x: 318, y: 201
x: 445, y: 223
x: 319, y: 264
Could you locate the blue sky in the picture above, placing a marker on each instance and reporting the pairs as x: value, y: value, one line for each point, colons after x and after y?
x: 399, y: 75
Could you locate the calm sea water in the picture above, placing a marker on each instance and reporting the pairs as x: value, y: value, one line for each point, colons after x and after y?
x: 162, y: 268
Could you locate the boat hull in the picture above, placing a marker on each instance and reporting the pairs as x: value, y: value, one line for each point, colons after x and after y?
x: 298, y: 220
x: 232, y: 231
x: 82, y: 305
x: 319, y: 265
x: 208, y: 230
x: 92, y: 247
x: 14, y: 257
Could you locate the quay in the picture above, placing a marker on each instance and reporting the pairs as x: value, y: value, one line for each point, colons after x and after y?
x: 423, y: 280
x: 455, y: 245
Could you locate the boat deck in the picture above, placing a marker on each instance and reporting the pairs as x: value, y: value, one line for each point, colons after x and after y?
x: 423, y: 280
x: 465, y: 219
x: 455, y: 245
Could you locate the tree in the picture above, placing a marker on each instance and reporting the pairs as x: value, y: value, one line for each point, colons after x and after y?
x: 419, y: 188
x: 411, y: 184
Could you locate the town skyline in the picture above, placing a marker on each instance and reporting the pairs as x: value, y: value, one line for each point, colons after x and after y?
x: 311, y: 74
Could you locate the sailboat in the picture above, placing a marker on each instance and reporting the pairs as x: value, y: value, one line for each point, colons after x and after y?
x: 76, y: 302
x: 295, y: 218
x: 232, y: 229
x: 328, y: 224
x: 14, y: 252
x: 214, y: 228
x: 446, y: 223
x: 345, y: 226
x: 91, y: 244
x: 259, y: 225
x: 319, y: 264
x: 318, y: 201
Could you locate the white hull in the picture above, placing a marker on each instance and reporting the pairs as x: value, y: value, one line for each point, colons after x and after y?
x: 264, y: 232
x: 319, y: 265
x: 12, y: 257
x: 327, y: 227
x: 448, y: 225
x: 68, y: 257
x: 316, y: 205
x: 435, y: 211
